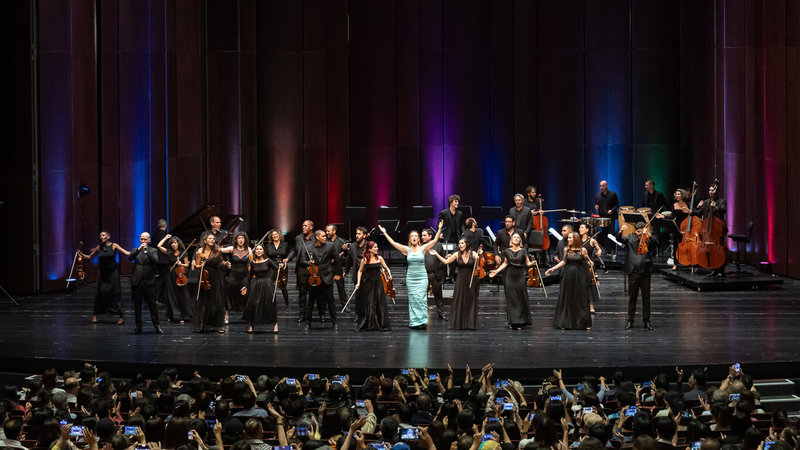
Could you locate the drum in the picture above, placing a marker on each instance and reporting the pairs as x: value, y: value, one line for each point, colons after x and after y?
x: 622, y: 211
x: 644, y: 210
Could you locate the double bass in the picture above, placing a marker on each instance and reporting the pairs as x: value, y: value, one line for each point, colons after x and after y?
x: 539, y: 223
x: 710, y: 252
x: 690, y: 227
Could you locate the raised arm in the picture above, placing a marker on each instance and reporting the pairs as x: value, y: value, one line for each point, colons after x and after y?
x: 91, y: 253
x: 160, y: 244
x: 119, y: 248
x: 448, y: 260
x: 399, y: 247
x: 435, y: 239
x: 228, y: 249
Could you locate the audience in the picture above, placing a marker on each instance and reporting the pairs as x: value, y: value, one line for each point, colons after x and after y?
x: 406, y: 412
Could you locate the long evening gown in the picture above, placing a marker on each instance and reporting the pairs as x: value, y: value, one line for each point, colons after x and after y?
x: 572, y: 309
x: 179, y: 307
x: 594, y: 296
x: 516, y: 289
x: 237, y: 279
x: 465, y: 298
x: 417, y: 284
x: 210, y: 309
x: 107, y: 298
x: 261, y: 309
x: 376, y: 313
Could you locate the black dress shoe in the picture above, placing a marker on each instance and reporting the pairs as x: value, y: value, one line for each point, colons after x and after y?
x: 137, y: 330
x: 159, y: 330
x: 322, y: 319
x: 442, y: 316
x: 307, y: 327
x: 648, y: 327
x: 629, y: 325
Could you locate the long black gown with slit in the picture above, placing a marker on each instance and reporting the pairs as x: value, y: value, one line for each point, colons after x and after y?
x: 516, y: 289
x: 572, y: 310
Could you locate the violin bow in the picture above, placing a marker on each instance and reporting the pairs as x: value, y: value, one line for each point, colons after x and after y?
x: 74, y: 260
x: 348, y: 301
x: 536, y: 264
x: 275, y: 288
x: 200, y: 281
x: 474, y: 267
x: 182, y: 254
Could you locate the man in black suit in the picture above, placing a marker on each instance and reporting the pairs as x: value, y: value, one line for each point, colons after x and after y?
x: 638, y: 267
x: 532, y: 200
x: 503, y: 239
x: 522, y: 216
x: 657, y: 203
x: 143, y: 282
x: 338, y: 254
x: 606, y: 205
x: 435, y: 270
x: 453, y: 220
x: 323, y: 256
x: 163, y: 262
x: 303, y: 243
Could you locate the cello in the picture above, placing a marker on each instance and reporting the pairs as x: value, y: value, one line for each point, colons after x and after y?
x: 540, y: 224
x: 690, y: 227
x: 710, y: 253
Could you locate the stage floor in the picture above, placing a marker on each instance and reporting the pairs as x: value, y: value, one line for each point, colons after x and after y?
x: 756, y: 328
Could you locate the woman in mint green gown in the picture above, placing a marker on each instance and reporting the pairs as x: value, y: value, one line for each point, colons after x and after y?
x: 416, y: 276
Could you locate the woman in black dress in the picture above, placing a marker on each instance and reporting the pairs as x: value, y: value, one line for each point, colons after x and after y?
x: 376, y: 317
x: 260, y: 292
x: 680, y: 211
x: 279, y: 251
x: 107, y: 298
x: 572, y: 309
x: 237, y: 276
x: 516, y: 259
x: 178, y: 303
x: 210, y: 310
x: 592, y: 248
x: 465, y: 295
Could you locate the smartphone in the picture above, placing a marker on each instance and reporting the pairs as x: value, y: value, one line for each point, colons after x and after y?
x: 239, y: 377
x: 76, y: 431
x: 283, y: 447
x: 432, y: 377
x: 142, y: 447
x: 508, y: 406
x: 374, y: 445
x: 62, y: 422
x: 134, y: 395
x: 556, y: 398
x: 313, y: 376
x: 737, y: 367
x: 404, y: 372
x: 409, y: 434
x: 579, y: 387
x: 210, y: 406
x: 291, y: 381
x: 588, y: 410
x: 734, y: 397
x: 336, y: 381
x: 646, y: 385
x: 630, y: 412
x: 498, y: 400
x: 99, y: 379
x: 505, y: 383
x: 532, y: 416
x: 498, y: 384
x: 696, y: 445
x: 211, y: 423
x: 487, y: 437
x: 360, y: 404
x: 189, y: 435
x: 686, y: 414
x: 768, y: 444
x: 301, y: 431
x: 130, y: 431
x: 494, y: 419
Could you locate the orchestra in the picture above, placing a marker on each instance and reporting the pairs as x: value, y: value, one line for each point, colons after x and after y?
x: 694, y: 230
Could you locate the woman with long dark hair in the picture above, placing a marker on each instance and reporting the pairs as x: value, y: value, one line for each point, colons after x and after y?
x: 376, y: 312
x: 260, y: 291
x: 210, y: 311
x: 516, y: 260
x: 178, y: 303
x: 572, y: 309
x: 278, y: 250
x: 107, y: 298
x: 238, y: 275
x: 465, y: 294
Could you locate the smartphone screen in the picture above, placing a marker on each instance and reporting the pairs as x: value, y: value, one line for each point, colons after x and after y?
x: 508, y: 406
x: 130, y: 431
x: 313, y: 376
x: 696, y: 445
x: 360, y: 403
x: 291, y: 381
x: 76, y: 431
x: 556, y: 398
x: 630, y: 412
x: 409, y: 434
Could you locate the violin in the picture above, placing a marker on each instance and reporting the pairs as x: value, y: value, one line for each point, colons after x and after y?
x: 79, y: 267
x: 480, y: 268
x: 593, y: 274
x: 533, y: 278
x: 388, y: 284
x: 313, y: 275
x: 283, y: 278
x: 180, y: 276
x: 204, y: 278
x: 643, y: 238
x: 489, y: 262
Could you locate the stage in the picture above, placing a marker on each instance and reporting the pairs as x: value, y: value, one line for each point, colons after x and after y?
x: 756, y: 328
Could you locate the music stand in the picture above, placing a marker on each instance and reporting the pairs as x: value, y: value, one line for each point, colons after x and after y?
x: 633, y: 218
x: 389, y: 217
x: 467, y: 210
x: 358, y: 213
x: 419, y: 218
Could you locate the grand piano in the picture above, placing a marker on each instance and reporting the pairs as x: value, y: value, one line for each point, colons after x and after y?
x: 194, y: 225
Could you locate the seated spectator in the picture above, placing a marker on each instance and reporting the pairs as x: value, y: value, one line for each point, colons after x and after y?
x: 250, y: 408
x: 13, y: 435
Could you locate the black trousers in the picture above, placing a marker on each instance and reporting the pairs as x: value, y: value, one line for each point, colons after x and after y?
x: 323, y: 296
x: 302, y: 290
x: 140, y: 294
x: 639, y: 281
x: 435, y: 281
x: 340, y: 289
